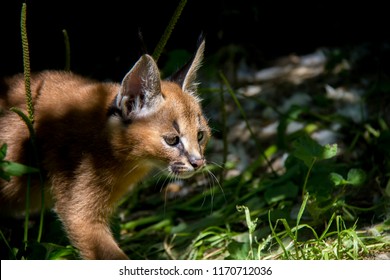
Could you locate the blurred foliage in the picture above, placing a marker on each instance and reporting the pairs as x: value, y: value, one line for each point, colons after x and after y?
x: 327, y: 201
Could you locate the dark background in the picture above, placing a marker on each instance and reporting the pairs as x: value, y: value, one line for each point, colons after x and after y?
x: 104, y: 34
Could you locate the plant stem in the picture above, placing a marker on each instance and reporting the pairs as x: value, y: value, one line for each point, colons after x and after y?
x: 258, y: 145
x: 275, y: 235
x: 224, y: 135
x: 307, y: 178
x: 168, y: 30
x: 27, y: 215
x: 7, y: 244
x: 67, y: 50
x: 26, y: 64
x: 29, y: 121
x: 300, y: 213
x: 338, y: 227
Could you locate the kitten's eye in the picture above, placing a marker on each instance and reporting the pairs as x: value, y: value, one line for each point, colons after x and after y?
x: 172, y: 140
x: 200, y: 136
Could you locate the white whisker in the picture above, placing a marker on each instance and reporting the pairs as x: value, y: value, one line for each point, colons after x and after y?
x: 161, y: 171
x: 217, y: 164
x: 204, y: 198
x: 131, y: 170
x: 164, y: 183
x: 215, y: 179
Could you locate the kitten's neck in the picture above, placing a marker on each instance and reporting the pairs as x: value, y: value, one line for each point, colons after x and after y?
x: 127, y: 178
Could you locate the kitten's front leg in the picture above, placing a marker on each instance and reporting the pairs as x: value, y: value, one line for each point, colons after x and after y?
x: 85, y: 214
x: 92, y: 237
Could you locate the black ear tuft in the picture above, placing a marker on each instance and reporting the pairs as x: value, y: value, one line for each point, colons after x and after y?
x: 142, y: 42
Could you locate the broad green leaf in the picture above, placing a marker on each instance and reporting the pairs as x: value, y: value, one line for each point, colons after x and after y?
x: 356, y: 177
x: 238, y: 250
x: 308, y: 150
x: 329, y: 151
x: 337, y: 179
x: 57, y: 252
x: 292, y: 114
x: 16, y: 169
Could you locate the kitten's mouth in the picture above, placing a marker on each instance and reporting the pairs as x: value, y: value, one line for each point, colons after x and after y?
x: 181, y: 171
x: 184, y: 175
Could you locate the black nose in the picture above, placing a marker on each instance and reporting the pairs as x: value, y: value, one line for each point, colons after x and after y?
x: 197, y: 162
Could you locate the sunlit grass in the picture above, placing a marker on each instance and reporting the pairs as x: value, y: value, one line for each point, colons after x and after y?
x: 315, y: 208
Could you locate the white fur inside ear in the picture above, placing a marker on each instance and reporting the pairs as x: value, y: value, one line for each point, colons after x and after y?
x: 137, y: 108
x: 120, y: 102
x: 153, y: 106
x: 140, y: 92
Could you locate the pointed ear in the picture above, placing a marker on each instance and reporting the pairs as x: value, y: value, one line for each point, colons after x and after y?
x: 186, y: 76
x: 140, y: 91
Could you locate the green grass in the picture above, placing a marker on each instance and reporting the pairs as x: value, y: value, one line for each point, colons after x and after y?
x: 309, y: 211
x: 326, y: 202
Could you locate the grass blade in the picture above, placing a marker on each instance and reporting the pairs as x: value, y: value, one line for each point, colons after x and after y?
x: 238, y: 104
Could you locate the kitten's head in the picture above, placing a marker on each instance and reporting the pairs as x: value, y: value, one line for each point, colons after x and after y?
x: 161, y: 122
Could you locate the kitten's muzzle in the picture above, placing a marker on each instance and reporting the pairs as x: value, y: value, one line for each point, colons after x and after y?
x: 187, y: 169
x: 196, y: 162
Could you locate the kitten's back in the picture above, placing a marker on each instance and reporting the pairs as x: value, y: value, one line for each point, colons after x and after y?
x: 69, y: 110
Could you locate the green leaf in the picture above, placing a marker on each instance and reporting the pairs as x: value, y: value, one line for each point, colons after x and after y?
x: 292, y: 114
x: 356, y: 177
x: 238, y: 250
x: 308, y: 150
x: 337, y: 179
x: 57, y: 252
x: 3, y: 151
x: 16, y: 169
x: 282, y: 192
x: 329, y: 151
x: 4, y: 175
x: 387, y: 190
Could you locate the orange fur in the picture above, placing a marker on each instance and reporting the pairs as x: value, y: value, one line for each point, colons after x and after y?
x: 97, y: 140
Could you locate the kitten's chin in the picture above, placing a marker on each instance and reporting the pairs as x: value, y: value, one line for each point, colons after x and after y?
x: 180, y: 173
x: 177, y: 171
x: 183, y: 175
